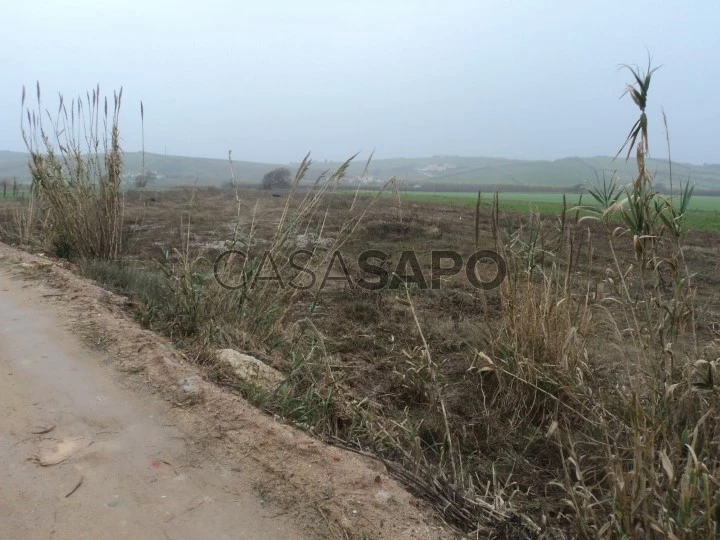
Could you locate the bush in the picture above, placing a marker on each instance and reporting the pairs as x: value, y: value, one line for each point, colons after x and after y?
x: 279, y: 178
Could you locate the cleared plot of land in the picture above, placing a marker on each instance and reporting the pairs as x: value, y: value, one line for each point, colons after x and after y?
x: 493, y: 389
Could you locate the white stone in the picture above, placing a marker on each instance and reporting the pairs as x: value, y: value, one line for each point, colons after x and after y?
x: 250, y: 369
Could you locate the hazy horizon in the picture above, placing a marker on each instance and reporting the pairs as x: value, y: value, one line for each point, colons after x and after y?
x: 362, y: 157
x: 408, y: 79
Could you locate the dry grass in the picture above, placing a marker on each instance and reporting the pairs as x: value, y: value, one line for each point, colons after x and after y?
x: 76, y: 167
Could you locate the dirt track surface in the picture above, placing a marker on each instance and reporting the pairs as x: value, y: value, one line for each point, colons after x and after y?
x: 93, y: 443
x: 65, y: 422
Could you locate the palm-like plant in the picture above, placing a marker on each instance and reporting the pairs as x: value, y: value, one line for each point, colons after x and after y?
x: 636, y: 209
x: 607, y: 193
x: 672, y: 214
x: 639, y: 96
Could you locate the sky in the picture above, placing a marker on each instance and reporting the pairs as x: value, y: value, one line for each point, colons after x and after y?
x: 273, y: 80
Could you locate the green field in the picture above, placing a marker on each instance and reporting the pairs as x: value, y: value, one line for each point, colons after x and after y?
x: 704, y: 210
x: 9, y: 195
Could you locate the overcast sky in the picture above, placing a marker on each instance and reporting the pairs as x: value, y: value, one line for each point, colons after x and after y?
x: 272, y: 80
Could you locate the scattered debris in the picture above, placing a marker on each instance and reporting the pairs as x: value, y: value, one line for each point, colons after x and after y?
x: 77, y: 486
x: 43, y: 431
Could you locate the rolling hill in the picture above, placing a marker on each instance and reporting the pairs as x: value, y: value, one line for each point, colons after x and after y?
x: 437, y: 172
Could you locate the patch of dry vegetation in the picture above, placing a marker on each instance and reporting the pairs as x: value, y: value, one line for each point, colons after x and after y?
x: 76, y: 168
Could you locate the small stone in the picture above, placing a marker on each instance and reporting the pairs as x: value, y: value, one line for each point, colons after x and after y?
x: 168, y: 363
x: 308, y: 240
x: 189, y: 391
x: 383, y: 497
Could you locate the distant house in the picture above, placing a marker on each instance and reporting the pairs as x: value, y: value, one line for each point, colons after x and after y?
x: 436, y: 167
x: 365, y: 180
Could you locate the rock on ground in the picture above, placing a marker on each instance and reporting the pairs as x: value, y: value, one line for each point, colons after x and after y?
x: 250, y: 369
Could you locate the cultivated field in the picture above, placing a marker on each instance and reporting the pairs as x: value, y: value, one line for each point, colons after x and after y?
x: 703, y: 212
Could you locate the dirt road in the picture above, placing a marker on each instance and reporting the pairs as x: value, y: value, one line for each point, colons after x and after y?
x: 81, y: 457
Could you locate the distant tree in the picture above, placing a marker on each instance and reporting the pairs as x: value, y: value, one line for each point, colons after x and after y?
x: 276, y: 178
x: 143, y: 179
